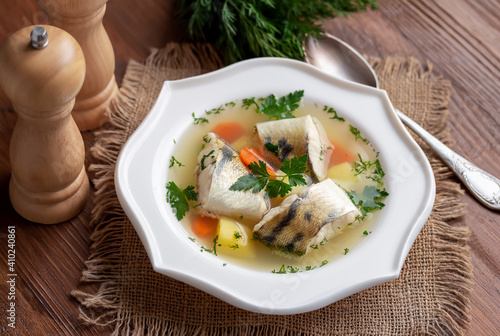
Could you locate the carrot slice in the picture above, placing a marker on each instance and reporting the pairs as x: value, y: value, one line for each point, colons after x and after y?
x: 339, y: 155
x: 250, y: 154
x: 229, y: 131
x: 203, y: 226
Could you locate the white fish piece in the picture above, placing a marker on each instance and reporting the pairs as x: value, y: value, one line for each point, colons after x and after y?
x: 296, y: 137
x: 218, y: 168
x: 319, y: 211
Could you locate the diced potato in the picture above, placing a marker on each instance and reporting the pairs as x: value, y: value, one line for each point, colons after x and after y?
x: 233, y: 239
x: 343, y: 172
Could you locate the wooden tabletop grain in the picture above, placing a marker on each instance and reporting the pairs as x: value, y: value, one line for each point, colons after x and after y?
x: 460, y: 37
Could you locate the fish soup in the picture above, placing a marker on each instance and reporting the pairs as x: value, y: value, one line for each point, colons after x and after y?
x: 285, y: 195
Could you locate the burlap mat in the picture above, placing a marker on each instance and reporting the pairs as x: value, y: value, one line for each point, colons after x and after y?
x: 429, y: 298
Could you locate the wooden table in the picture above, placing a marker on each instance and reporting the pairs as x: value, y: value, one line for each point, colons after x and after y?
x: 461, y: 38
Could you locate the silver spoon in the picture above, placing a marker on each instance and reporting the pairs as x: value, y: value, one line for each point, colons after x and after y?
x: 339, y: 59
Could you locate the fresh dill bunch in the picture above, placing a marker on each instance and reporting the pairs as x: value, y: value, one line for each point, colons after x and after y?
x: 244, y: 29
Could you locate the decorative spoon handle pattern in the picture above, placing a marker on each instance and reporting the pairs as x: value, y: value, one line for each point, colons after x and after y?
x: 484, y: 186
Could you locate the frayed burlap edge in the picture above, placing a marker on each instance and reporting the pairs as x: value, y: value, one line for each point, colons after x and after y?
x: 453, y: 278
x: 108, y: 217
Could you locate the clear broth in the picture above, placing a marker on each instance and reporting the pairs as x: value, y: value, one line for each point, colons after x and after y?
x: 187, y: 150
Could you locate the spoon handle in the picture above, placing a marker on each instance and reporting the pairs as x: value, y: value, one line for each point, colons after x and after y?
x: 484, y: 186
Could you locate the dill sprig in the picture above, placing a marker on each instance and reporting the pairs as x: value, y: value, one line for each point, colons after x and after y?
x: 257, y: 28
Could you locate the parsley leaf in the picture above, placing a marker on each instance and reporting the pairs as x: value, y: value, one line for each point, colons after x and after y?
x: 369, y: 200
x: 294, y: 169
x: 272, y: 148
x: 277, y: 188
x: 274, y: 185
x: 247, y: 182
x: 283, y: 107
x: 178, y: 198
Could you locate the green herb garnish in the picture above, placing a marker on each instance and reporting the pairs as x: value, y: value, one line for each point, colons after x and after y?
x: 199, y: 120
x: 274, y: 184
x: 214, y: 249
x: 178, y: 198
x: 369, y: 200
x: 346, y: 250
x: 323, y: 263
x: 173, y: 161
x: 372, y: 170
x: 216, y: 110
x: 202, y: 161
x: 272, y: 148
x: 261, y: 28
x: 357, y: 134
x: 237, y: 235
x: 282, y: 270
x: 278, y: 109
x: 331, y: 110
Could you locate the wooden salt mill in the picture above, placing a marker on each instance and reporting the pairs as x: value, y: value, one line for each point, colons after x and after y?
x: 42, y: 75
x: 83, y: 20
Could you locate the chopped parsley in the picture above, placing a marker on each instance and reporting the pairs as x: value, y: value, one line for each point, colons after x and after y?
x: 173, y: 161
x: 282, y: 270
x: 216, y: 110
x: 346, y: 250
x: 199, y: 120
x: 331, y: 110
x: 274, y: 184
x: 323, y: 151
x: 237, y: 235
x: 357, y: 134
x: 202, y: 161
x: 323, y: 263
x: 372, y: 170
x: 179, y: 198
x: 214, y: 248
x: 366, y: 233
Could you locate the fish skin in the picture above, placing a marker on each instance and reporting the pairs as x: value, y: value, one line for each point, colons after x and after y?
x: 215, y: 173
x: 296, y: 137
x: 306, y: 218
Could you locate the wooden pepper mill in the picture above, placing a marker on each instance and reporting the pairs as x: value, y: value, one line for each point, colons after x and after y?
x: 83, y: 20
x: 41, y: 71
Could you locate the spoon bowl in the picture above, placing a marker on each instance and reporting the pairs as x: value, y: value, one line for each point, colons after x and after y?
x: 340, y: 60
x: 352, y: 66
